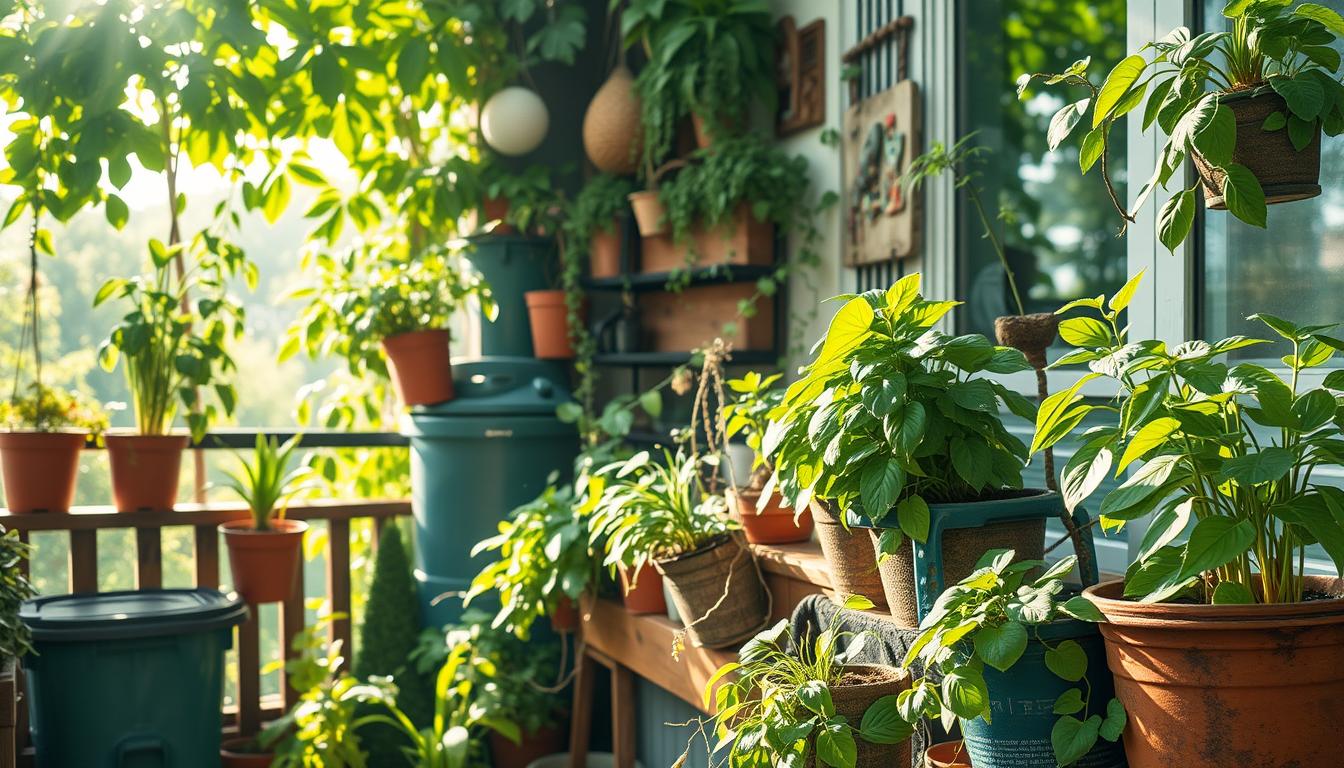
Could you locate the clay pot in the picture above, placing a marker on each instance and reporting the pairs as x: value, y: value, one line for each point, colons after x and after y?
x: 612, y: 132
x: 145, y: 470
x: 850, y: 555
x: 549, y: 317
x: 852, y: 701
x: 264, y: 563
x: 420, y: 366
x: 40, y: 469
x: 1031, y: 334
x: 604, y: 253
x: 719, y: 592
x: 497, y: 209
x: 565, y: 616
x: 241, y: 753
x: 1255, y: 686
x: 1285, y: 173
x: 530, y: 748
x: 772, y: 525
x: 705, y: 136
x: 949, y: 754
x: 649, y: 213
x: 644, y: 592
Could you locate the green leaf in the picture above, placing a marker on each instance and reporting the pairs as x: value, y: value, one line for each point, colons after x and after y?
x: 835, y: 745
x: 889, y: 542
x: 1166, y: 526
x: 1072, y: 739
x: 1149, y: 437
x: 1114, y: 724
x: 882, y: 723
x: 1301, y: 132
x: 1068, y: 661
x: 1175, y: 220
x: 880, y: 486
x: 1059, y: 414
x: 1094, y: 143
x: 1304, y: 95
x: 1153, y: 575
x: 858, y: 603
x: 1325, y: 16
x: 965, y: 694
x: 912, y: 514
x: 1275, y: 122
x: 1117, y: 84
x: 1126, y: 293
x: 1086, y: 332
x: 1070, y: 702
x: 1082, y: 609
x: 1064, y: 121
x: 1213, y: 543
x: 1217, y: 139
x: 1268, y: 464
x: 816, y: 696
x: 652, y: 403
x: 412, y: 64
x: 1232, y: 593
x: 1244, y: 196
x: 1001, y: 646
x: 1085, y: 471
x: 850, y: 326
x: 328, y: 79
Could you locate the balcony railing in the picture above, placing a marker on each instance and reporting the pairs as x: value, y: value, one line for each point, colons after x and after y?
x: 252, y: 708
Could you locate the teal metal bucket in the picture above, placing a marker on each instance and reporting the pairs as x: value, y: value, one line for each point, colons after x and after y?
x: 512, y: 265
x: 1022, y: 702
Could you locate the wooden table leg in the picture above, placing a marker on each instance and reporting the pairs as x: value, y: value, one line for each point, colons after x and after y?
x: 581, y: 712
x: 623, y: 716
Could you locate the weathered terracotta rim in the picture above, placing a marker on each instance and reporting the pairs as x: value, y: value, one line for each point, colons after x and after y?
x: 1108, y: 597
x: 416, y: 338
x: 166, y: 442
x: 280, y: 527
x: 40, y: 432
x: 752, y: 497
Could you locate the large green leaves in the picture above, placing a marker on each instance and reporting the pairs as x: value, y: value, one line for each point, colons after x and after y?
x: 1121, y: 78
x: 1064, y: 121
x: 1244, y: 196
x: 880, y: 486
x: 1176, y: 219
x: 1213, y: 543
x: 1001, y: 646
x: 850, y: 326
x: 1263, y: 466
x: 1071, y: 738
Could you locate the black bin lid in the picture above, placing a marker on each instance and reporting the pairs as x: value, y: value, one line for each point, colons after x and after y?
x: 130, y: 614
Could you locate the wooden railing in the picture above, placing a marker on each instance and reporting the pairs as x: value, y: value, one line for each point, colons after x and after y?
x: 83, y: 525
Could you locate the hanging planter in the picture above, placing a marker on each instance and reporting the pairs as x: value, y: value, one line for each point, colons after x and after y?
x: 420, y: 365
x: 145, y: 470
x: 40, y: 469
x: 1285, y: 172
x: 719, y: 592
x: 611, y: 127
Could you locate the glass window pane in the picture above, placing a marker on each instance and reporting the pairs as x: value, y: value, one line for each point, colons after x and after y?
x: 1059, y: 226
x: 1294, y: 268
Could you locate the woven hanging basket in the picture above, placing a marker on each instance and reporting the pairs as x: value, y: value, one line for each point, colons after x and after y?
x: 611, y: 127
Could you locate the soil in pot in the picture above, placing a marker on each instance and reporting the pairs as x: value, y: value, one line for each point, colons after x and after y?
x: 949, y: 754
x: 264, y: 563
x: 532, y: 747
x: 642, y: 591
x: 421, y: 367
x: 1285, y: 173
x: 719, y: 592
x: 1252, y: 686
x: 145, y: 470
x: 850, y: 555
x: 243, y: 753
x: 862, y: 685
x: 604, y: 253
x: 40, y: 469
x: 650, y: 214
x: 772, y: 525
x: 1031, y: 334
x: 549, y: 318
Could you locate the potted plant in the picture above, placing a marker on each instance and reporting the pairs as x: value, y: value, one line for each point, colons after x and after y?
x: 707, y: 60
x: 765, y: 519
x: 1247, y: 106
x: 40, y: 446
x: 660, y: 512
x: 387, y: 313
x: 172, y: 345
x: 891, y: 424
x: 802, y: 701
x: 519, y: 202
x: 264, y: 551
x: 543, y: 564
x: 1219, y: 641
x: 1005, y: 635
x: 593, y: 220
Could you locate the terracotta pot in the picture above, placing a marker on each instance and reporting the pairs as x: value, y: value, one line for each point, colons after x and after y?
x: 649, y: 212
x: 145, y: 470
x: 532, y: 747
x: 646, y: 594
x: 773, y: 525
x: 851, y: 557
x: 565, y: 616
x: 1252, y: 686
x: 549, y: 317
x: 949, y: 754
x: 497, y: 209
x: 264, y: 563
x: 739, y: 239
x: 612, y: 132
x: 705, y: 138
x: 1285, y: 173
x: 604, y: 253
x: 420, y: 365
x: 239, y: 753
x: 852, y: 701
x: 40, y: 469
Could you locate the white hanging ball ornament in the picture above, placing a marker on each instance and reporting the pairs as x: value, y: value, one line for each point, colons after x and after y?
x: 514, y: 121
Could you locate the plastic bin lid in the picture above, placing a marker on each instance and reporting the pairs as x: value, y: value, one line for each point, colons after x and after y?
x: 130, y: 614
x: 502, y: 386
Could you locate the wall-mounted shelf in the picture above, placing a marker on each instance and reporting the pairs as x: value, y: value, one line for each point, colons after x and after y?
x: 658, y: 281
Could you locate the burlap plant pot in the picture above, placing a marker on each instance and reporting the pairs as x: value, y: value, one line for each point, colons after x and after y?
x: 851, y: 556
x: 852, y: 701
x: 719, y: 592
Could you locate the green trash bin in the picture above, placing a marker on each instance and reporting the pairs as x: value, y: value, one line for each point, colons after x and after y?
x: 512, y: 265
x: 129, y: 679
x: 475, y: 459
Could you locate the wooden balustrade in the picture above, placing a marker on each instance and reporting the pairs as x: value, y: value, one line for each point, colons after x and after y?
x: 84, y: 523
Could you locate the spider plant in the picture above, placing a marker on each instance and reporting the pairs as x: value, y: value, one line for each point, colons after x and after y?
x: 264, y: 484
